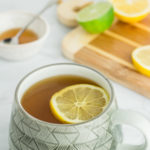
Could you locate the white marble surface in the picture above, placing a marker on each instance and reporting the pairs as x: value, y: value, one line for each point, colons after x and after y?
x: 12, y: 72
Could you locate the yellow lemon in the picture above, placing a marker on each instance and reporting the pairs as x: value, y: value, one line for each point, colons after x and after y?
x: 78, y: 103
x: 141, y: 60
x: 131, y: 11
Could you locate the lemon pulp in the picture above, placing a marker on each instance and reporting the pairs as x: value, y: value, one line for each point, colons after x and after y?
x: 78, y: 103
x: 131, y: 10
x: 141, y: 60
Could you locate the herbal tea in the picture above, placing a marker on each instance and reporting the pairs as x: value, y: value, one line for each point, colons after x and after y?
x: 36, y: 99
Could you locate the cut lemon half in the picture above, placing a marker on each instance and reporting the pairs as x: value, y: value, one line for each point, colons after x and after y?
x: 131, y: 11
x: 141, y: 60
x: 78, y: 103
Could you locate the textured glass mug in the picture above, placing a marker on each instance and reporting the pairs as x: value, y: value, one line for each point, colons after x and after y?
x: 27, y: 132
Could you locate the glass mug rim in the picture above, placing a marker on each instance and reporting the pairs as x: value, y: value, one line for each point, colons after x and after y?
x: 63, y: 125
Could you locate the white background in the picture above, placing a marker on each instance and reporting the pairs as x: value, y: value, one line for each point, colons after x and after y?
x: 12, y: 72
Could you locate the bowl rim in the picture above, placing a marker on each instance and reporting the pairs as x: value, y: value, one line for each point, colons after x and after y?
x: 27, y: 13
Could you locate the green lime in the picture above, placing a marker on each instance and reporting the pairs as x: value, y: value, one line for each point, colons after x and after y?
x: 97, y: 17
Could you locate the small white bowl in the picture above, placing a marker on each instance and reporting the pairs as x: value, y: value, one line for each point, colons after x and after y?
x: 18, y: 19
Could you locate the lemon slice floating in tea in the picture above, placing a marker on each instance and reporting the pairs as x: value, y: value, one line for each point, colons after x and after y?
x: 141, y: 60
x: 78, y: 103
x: 96, y: 18
x: 131, y: 11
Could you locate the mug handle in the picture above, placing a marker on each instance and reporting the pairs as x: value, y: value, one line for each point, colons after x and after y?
x: 136, y: 120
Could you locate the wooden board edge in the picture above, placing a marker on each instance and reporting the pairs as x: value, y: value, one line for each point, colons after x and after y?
x: 80, y: 38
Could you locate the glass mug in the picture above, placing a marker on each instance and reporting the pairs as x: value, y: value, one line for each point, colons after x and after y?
x: 27, y: 132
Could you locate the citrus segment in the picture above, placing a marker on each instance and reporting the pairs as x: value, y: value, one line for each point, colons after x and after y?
x: 131, y: 10
x: 141, y: 60
x: 78, y: 103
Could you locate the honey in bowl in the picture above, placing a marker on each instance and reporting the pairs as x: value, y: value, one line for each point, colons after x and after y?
x: 26, y: 37
x: 36, y: 99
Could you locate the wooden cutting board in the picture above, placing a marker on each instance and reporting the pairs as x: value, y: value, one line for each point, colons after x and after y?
x: 110, y: 52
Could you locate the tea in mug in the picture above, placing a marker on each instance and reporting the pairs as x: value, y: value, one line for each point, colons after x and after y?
x: 37, y: 98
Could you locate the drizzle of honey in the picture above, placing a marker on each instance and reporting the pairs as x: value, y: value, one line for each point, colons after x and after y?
x: 26, y: 37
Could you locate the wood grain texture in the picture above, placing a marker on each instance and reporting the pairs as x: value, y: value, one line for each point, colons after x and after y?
x: 114, y: 46
x: 114, y: 70
x: 110, y: 52
x: 75, y: 40
x: 132, y: 33
x: 146, y: 21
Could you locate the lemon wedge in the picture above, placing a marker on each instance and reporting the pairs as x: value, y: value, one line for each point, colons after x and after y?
x: 78, y: 103
x: 131, y: 11
x: 141, y: 60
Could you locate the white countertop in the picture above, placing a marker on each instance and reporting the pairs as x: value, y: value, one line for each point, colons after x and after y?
x: 12, y: 72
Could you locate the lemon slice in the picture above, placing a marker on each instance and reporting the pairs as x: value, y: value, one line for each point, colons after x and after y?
x: 78, y: 103
x: 141, y: 60
x: 131, y: 10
